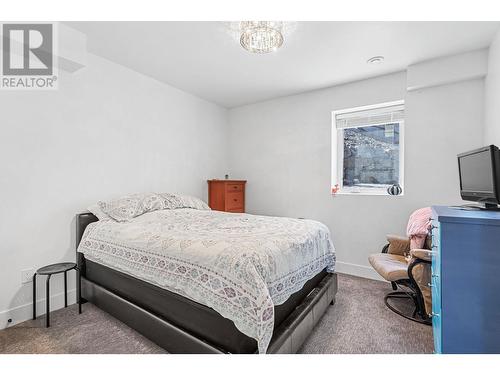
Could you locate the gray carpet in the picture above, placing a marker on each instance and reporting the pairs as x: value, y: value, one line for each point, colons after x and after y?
x: 359, y: 322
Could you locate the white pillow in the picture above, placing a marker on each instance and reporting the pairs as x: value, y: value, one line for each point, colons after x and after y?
x: 174, y: 201
x: 130, y: 206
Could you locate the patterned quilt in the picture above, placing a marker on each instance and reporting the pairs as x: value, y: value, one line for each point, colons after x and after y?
x: 238, y: 264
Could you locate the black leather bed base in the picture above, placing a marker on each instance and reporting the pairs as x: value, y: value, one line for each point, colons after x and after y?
x: 192, y: 317
x: 181, y: 325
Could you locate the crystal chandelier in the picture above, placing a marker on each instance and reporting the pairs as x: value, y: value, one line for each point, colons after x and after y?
x: 261, y: 36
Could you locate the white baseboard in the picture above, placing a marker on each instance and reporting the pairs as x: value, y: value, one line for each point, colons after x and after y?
x: 357, y: 270
x: 25, y: 312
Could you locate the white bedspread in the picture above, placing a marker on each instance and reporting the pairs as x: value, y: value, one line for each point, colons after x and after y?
x: 238, y: 264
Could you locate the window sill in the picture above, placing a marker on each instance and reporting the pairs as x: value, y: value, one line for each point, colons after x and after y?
x: 364, y: 193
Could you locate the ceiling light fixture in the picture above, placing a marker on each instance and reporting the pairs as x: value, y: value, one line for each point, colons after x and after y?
x: 375, y: 60
x: 260, y: 36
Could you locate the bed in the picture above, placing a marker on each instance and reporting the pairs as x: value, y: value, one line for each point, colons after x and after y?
x: 202, y: 281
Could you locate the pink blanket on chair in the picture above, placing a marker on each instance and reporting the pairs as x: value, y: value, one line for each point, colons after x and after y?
x: 418, y: 227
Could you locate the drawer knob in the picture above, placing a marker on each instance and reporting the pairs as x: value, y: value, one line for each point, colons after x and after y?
x: 236, y: 200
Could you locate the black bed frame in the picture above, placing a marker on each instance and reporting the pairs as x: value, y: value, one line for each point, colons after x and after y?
x: 287, y: 338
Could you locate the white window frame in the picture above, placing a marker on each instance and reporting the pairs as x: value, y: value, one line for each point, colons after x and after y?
x: 337, y: 157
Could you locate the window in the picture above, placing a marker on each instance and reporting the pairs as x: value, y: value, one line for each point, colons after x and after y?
x: 367, y: 149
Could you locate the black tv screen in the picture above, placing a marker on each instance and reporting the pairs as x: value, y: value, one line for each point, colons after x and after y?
x: 478, y: 174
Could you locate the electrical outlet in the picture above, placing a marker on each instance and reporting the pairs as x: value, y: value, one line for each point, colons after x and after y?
x: 27, y: 276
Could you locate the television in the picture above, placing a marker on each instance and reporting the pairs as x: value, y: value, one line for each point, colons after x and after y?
x: 479, y: 172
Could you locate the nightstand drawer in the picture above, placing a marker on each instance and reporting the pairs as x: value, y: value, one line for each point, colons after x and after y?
x: 234, y: 187
x: 236, y: 210
x: 234, y: 200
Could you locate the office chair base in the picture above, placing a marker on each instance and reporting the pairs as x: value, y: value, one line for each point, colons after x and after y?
x: 415, y: 317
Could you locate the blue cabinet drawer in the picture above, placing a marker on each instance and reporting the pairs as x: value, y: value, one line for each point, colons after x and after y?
x: 436, y: 317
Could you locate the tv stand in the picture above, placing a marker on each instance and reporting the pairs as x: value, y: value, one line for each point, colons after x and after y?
x: 465, y: 270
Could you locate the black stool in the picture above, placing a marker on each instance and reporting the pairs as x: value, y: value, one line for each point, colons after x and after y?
x: 52, y: 270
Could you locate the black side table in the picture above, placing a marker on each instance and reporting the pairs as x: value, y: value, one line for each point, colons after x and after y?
x: 52, y: 270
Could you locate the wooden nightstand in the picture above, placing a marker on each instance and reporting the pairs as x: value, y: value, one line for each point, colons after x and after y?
x: 226, y: 195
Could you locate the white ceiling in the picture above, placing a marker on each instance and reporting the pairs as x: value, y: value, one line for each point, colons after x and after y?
x: 203, y: 59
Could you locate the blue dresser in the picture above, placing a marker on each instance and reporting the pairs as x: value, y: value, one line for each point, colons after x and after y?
x: 465, y: 280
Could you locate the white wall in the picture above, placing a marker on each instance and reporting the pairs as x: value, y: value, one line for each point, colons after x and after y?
x: 108, y: 130
x: 447, y: 70
x: 282, y: 147
x: 492, y: 95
